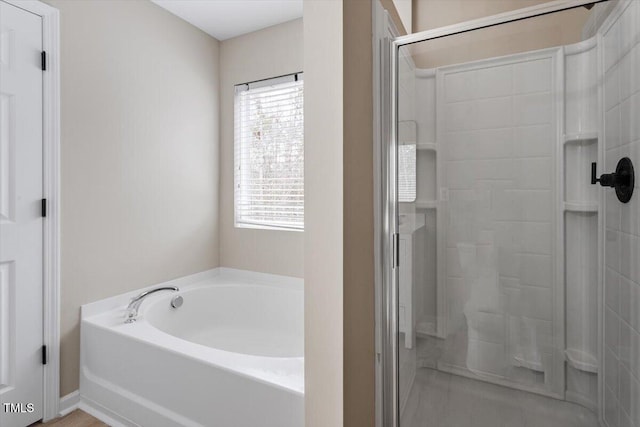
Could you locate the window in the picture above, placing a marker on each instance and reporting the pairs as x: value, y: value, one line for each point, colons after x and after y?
x: 269, y: 154
x: 407, y: 173
x: 407, y: 137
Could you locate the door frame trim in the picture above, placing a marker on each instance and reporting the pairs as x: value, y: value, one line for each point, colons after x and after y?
x: 51, y: 191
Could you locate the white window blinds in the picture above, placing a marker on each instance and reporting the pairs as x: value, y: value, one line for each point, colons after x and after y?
x: 407, y: 173
x: 269, y: 154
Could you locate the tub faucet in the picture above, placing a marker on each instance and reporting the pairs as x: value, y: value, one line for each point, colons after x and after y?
x: 134, y: 305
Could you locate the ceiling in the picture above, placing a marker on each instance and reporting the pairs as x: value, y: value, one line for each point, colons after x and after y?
x: 224, y: 19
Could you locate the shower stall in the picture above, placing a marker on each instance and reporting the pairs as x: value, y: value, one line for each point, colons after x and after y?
x: 508, y: 232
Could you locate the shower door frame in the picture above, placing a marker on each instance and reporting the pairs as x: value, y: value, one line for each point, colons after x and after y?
x: 387, y: 226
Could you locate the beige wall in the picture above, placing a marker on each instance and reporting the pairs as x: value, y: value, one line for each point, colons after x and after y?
x: 339, y: 259
x: 538, y: 33
x: 271, y: 52
x: 139, y: 154
x: 359, y: 285
x: 389, y: 6
x: 323, y: 242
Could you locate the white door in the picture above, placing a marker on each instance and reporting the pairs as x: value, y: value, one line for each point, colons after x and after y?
x: 21, y: 222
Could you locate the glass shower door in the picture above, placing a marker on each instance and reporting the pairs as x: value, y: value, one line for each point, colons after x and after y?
x: 498, y: 224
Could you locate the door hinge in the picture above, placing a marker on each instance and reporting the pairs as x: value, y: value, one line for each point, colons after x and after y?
x: 44, y: 208
x: 44, y: 354
x: 43, y: 58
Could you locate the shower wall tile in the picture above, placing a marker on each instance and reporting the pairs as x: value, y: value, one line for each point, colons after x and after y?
x: 535, y: 205
x: 626, y: 120
x: 481, y: 144
x: 500, y: 134
x: 532, y: 76
x: 626, y: 253
x: 506, y: 205
x: 610, y: 407
x: 612, y: 249
x: 634, y: 83
x: 533, y: 141
x: 534, y: 270
x: 611, y: 46
x: 494, y: 170
x: 482, y: 84
x: 612, y: 289
x: 611, y: 369
x: 625, y: 77
x: 509, y: 264
x: 628, y: 221
x: 625, y: 299
x: 535, y: 173
x: 628, y: 28
x: 493, y: 113
x: 532, y: 109
x: 462, y: 178
x: 494, y: 82
x: 622, y: 221
x: 624, y: 420
x: 612, y: 127
x: 635, y: 353
x: 612, y: 89
x: 453, y: 263
x: 624, y: 391
x: 459, y: 87
x: 635, y: 108
x: 479, y: 114
x: 611, y: 329
x: 635, y: 399
x: 536, y: 238
x: 613, y: 211
x: 536, y: 303
x: 634, y: 266
x: 624, y: 344
x: 635, y: 310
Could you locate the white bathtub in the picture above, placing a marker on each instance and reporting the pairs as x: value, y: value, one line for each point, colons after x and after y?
x: 232, y: 355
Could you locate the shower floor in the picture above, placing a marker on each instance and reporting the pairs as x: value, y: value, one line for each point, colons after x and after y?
x: 439, y: 399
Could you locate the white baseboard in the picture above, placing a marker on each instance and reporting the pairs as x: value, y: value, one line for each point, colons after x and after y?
x: 73, y: 401
x: 103, y: 414
x: 69, y: 403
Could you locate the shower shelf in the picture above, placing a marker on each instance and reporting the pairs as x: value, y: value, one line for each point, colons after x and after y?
x: 427, y: 146
x: 582, y: 360
x: 427, y: 204
x: 581, y: 207
x: 426, y: 328
x: 581, y: 138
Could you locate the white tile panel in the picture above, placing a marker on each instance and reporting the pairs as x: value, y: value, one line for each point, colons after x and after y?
x: 611, y: 46
x: 628, y: 28
x: 532, y: 76
x: 460, y: 87
x: 494, y: 82
x: 535, y: 205
x: 612, y: 127
x: 535, y: 173
x: 624, y: 390
x: 612, y: 289
x: 611, y: 369
x: 610, y: 408
x: 611, y: 88
x: 534, y: 141
x: 494, y: 113
x: 533, y: 109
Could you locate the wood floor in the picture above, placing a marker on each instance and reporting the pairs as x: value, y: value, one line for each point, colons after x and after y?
x: 75, y: 419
